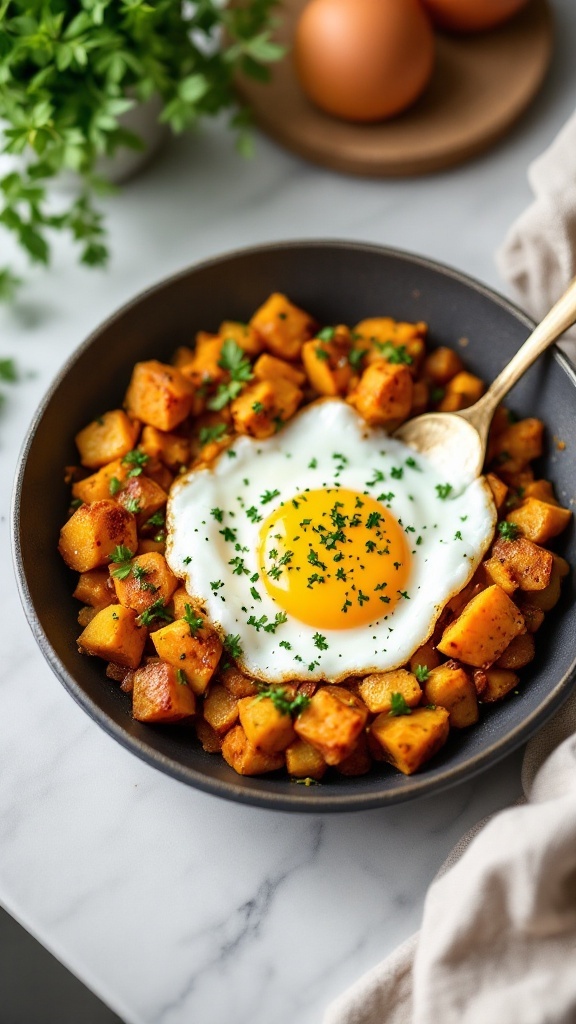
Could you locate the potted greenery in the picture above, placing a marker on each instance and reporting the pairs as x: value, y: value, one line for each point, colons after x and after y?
x: 73, y: 72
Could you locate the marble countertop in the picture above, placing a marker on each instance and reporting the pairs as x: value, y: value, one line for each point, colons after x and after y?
x: 175, y: 906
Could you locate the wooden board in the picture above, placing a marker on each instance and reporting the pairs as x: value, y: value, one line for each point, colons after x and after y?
x: 481, y: 84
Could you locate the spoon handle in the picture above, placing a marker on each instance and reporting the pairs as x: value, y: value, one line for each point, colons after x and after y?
x: 559, y: 319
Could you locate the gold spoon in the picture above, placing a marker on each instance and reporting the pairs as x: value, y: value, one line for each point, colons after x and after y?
x: 455, y: 442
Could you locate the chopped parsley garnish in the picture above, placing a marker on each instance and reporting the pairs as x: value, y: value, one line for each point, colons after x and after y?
x: 253, y: 514
x: 398, y: 705
x: 158, y: 610
x: 255, y: 594
x: 373, y: 520
x: 215, y: 433
x: 132, y: 505
x: 404, y: 594
x: 239, y: 566
x: 443, y: 490
x: 314, y: 560
x: 284, y: 643
x: 458, y: 535
x: 313, y: 464
x: 268, y: 496
x: 195, y: 622
x: 140, y: 573
x: 8, y: 372
x: 216, y: 585
x: 181, y: 677
x: 157, y: 519
x: 218, y: 514
x: 508, y: 531
x: 228, y: 534
x: 233, y: 359
x: 137, y: 459
x: 397, y: 472
x: 187, y: 560
x: 355, y: 357
x: 378, y: 477
x: 232, y: 645
x: 421, y: 672
x: 281, y: 700
x: 321, y: 354
x: 394, y: 353
x: 437, y: 394
x: 269, y: 627
x: 326, y: 334
x: 123, y: 558
x: 257, y: 407
x: 412, y: 463
x: 320, y: 642
x: 114, y: 485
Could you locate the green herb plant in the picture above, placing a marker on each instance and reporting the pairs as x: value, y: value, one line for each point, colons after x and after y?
x: 69, y: 71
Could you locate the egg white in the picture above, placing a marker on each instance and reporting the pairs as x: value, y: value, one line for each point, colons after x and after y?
x: 325, y: 445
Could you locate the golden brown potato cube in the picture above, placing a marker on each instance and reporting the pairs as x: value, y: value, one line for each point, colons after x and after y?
x: 542, y: 490
x: 266, y: 727
x: 204, y: 367
x: 500, y: 572
x: 533, y: 617
x: 441, y: 365
x: 342, y: 693
x: 303, y: 761
x: 108, y: 437
x: 499, y: 682
x: 529, y: 564
x: 91, y: 534
x: 180, y: 598
x: 264, y: 406
x: 516, y: 445
x: 327, y: 366
x: 196, y: 655
x: 376, y: 690
x: 210, y: 740
x: 94, y: 588
x: 148, y: 581
x: 183, y: 355
x: 462, y: 391
x: 451, y: 687
x: 220, y: 709
x: 245, y: 759
x: 359, y: 762
x: 407, y: 741
x: 546, y: 599
x: 103, y: 484
x: 519, y: 652
x: 243, y: 334
x: 238, y: 684
x: 119, y: 674
x: 268, y: 367
x: 114, y: 634
x: 160, y: 694
x: 330, y: 725
x: 498, y: 488
x: 148, y: 544
x: 420, y: 397
x: 142, y: 497
x: 484, y: 629
x: 426, y: 656
x: 85, y: 615
x: 171, y: 449
x: 159, y: 394
x: 538, y: 521
x: 383, y: 395
x: 282, y: 326
x: 377, y: 334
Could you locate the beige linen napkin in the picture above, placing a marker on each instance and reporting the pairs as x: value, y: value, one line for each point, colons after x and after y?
x: 498, y: 937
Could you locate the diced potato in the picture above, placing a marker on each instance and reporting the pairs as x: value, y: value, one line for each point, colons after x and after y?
x: 330, y: 725
x: 180, y: 598
x: 546, y: 599
x: 484, y: 629
x: 499, y: 682
x: 383, y: 395
x: 114, y: 634
x: 204, y: 368
x: 243, y: 334
x: 375, y: 334
x: 171, y: 449
x: 109, y: 437
x: 516, y: 445
x: 245, y: 759
x: 376, y: 690
x: 533, y: 617
x: 264, y: 406
x: 220, y: 709
x: 498, y: 488
x: 268, y: 367
x: 85, y: 615
x: 91, y: 534
x: 208, y: 737
x: 119, y: 674
x: 143, y: 497
x: 407, y: 741
x: 542, y: 490
x: 518, y: 653
x: 327, y: 366
x: 462, y: 391
x: 420, y: 397
x: 538, y: 521
x: 451, y: 687
x: 441, y: 365
x: 183, y: 355
x: 95, y: 588
x: 238, y: 684
x: 149, y: 580
x: 426, y: 655
x: 282, y: 326
x: 159, y: 394
x: 196, y: 655
x: 303, y: 761
x: 530, y: 566
x: 359, y: 762
x: 342, y: 693
x: 161, y: 694
x: 500, y: 572
x: 266, y: 728
x: 103, y: 484
x: 148, y: 544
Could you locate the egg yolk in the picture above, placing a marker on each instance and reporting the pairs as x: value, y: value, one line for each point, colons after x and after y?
x: 334, y: 558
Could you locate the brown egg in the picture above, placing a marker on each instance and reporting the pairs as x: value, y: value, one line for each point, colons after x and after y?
x: 364, y: 60
x: 471, y: 15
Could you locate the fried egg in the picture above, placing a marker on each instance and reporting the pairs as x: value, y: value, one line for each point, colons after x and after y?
x: 327, y: 550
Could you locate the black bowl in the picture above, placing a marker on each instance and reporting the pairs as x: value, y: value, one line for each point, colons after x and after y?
x: 337, y: 282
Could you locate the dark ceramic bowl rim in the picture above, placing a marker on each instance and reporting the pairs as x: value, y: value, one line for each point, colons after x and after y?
x: 309, y: 801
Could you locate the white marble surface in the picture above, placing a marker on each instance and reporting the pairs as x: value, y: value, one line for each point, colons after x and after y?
x: 172, y: 905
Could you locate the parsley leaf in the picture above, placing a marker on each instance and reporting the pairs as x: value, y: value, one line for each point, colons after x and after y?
x: 398, y: 705
x: 195, y: 622
x: 137, y: 459
x: 158, y: 610
x: 215, y: 433
x: 123, y: 558
x: 443, y: 490
x: 232, y: 645
x: 508, y: 531
x: 392, y: 353
x: 282, y: 701
x: 421, y: 672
